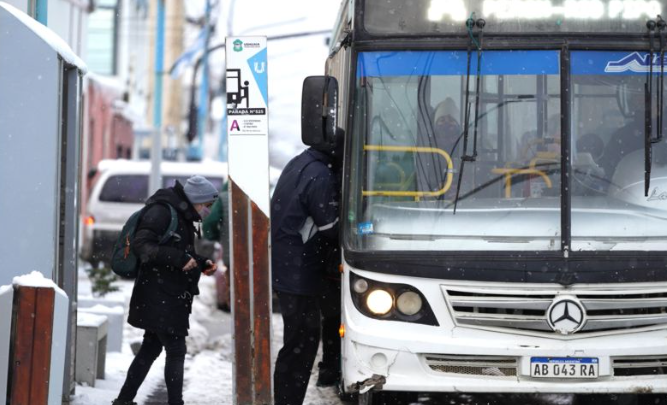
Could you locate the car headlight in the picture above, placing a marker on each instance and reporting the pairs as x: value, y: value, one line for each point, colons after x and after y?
x: 379, y: 302
x: 409, y: 303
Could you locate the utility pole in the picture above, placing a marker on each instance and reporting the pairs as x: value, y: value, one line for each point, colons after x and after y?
x: 223, y: 144
x: 41, y: 11
x: 197, y: 150
x: 156, y: 152
x: 173, y: 89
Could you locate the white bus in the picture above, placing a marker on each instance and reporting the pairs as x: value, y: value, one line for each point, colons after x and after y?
x: 505, y: 195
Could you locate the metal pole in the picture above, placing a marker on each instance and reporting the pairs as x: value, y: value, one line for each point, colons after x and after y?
x: 156, y: 151
x: 41, y: 11
x: 222, y: 147
x: 196, y: 151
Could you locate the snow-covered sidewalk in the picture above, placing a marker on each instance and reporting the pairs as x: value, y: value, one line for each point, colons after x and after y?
x: 208, y: 366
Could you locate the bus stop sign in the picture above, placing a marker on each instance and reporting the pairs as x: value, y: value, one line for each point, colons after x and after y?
x: 248, y: 138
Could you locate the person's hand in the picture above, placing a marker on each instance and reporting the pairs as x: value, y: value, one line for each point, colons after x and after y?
x: 210, y: 268
x: 191, y: 264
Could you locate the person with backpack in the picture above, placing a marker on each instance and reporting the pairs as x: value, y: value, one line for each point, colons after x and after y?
x: 169, y: 271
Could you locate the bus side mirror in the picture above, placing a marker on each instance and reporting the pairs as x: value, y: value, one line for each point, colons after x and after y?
x: 319, y: 111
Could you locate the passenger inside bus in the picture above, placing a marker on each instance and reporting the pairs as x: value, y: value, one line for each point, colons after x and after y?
x: 626, y: 139
x: 531, y: 144
x: 431, y: 168
x: 541, y: 155
x: 446, y: 125
x: 588, y: 176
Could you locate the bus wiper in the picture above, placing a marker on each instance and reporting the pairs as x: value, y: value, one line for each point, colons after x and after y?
x: 648, y: 111
x: 662, y: 26
x: 470, y: 24
x: 518, y: 99
x: 649, y: 140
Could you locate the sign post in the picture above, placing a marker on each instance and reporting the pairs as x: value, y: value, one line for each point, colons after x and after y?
x: 248, y: 139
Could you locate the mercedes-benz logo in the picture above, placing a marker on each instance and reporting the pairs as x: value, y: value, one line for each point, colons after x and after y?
x: 566, y: 315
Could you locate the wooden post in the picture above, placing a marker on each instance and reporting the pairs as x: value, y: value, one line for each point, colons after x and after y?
x: 262, y: 306
x: 247, y: 128
x: 32, y: 329
x: 241, y: 296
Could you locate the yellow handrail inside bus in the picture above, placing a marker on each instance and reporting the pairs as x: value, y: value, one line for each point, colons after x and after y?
x: 509, y: 172
x: 413, y: 149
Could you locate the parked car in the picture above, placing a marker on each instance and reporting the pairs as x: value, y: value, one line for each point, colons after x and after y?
x: 122, y: 189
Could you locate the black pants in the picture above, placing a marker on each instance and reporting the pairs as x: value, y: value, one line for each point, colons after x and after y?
x: 330, y: 308
x: 151, y: 348
x: 301, y: 317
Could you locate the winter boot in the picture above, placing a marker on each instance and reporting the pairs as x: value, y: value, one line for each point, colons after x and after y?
x: 327, y: 376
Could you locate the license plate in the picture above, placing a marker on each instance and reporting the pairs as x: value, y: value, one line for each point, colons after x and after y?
x: 564, y: 367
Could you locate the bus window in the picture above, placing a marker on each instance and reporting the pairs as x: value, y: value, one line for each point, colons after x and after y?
x: 411, y: 124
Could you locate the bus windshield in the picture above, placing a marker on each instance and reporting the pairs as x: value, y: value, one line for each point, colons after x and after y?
x: 410, y: 136
x: 419, y: 116
x: 610, y: 210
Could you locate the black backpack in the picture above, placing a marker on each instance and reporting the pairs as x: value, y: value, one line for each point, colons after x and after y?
x: 123, y: 260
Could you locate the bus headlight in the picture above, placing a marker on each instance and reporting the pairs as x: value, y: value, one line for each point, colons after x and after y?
x: 409, y: 303
x: 360, y: 286
x: 390, y: 301
x: 379, y: 302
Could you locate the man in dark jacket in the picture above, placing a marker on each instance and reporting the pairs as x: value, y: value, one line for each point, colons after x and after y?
x: 304, y: 214
x: 167, y: 282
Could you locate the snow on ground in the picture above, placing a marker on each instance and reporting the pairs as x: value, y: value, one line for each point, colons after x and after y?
x: 208, y: 366
x: 117, y: 364
x: 209, y: 374
x: 106, y: 390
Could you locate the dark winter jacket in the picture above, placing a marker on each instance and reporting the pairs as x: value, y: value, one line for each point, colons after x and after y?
x: 162, y: 296
x: 215, y: 227
x: 304, y: 223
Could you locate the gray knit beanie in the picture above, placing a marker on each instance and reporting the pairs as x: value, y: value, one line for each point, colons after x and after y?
x: 199, y: 190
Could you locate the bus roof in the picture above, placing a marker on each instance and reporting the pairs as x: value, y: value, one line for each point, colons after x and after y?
x: 382, y: 18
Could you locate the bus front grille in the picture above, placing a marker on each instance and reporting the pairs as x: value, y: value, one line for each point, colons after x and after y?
x: 638, y: 366
x: 606, y: 308
x: 488, y: 366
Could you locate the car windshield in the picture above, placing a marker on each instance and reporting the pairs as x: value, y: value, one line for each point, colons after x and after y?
x: 411, y: 136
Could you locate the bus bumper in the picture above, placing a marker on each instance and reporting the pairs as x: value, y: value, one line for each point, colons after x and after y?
x: 403, y: 356
x: 394, y: 366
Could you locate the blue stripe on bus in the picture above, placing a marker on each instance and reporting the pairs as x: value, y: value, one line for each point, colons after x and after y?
x: 409, y: 63
x: 613, y: 63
